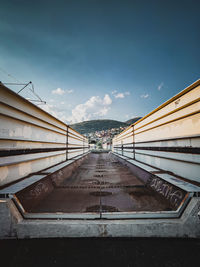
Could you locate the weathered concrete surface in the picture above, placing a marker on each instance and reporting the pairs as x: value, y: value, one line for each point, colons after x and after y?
x: 174, y: 189
x: 14, y: 226
x: 5, y: 219
x: 9, y: 218
x: 188, y: 225
x: 101, y: 184
x: 36, y: 192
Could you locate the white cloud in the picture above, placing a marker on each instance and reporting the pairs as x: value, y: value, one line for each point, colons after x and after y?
x: 160, y: 86
x: 60, y: 91
x: 121, y: 95
x: 54, y: 111
x: 94, y: 108
x: 144, y: 96
x: 107, y: 100
x: 114, y: 92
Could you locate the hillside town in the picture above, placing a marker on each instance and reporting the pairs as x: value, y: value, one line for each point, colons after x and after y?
x: 103, y: 139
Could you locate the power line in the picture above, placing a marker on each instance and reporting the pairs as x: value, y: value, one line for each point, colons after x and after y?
x: 9, y: 75
x: 25, y: 86
x: 15, y: 83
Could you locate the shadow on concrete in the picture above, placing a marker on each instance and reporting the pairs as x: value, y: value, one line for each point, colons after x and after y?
x: 137, y: 252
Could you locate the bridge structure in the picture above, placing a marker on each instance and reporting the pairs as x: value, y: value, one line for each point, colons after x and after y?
x: 52, y: 185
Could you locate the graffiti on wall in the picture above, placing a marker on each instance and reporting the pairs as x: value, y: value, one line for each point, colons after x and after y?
x: 170, y: 192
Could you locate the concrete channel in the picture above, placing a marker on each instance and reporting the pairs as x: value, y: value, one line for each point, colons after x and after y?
x: 102, y: 197
x: 99, y: 185
x: 53, y: 186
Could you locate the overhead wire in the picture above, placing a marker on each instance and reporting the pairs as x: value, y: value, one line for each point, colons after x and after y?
x: 9, y: 75
x: 26, y: 85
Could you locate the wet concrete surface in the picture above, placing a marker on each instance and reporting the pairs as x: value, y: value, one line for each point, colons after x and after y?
x: 101, y: 184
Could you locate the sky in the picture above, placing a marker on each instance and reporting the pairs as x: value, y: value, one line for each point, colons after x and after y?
x: 96, y: 59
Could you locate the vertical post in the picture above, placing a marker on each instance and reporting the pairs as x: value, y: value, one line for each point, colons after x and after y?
x: 133, y: 143
x: 83, y: 145
x: 67, y: 134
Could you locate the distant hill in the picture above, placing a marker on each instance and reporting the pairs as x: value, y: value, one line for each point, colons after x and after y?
x: 131, y: 121
x: 99, y: 125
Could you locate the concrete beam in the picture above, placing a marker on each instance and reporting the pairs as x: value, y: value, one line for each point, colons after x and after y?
x: 13, y: 226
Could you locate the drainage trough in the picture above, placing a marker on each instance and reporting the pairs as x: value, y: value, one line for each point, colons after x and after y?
x: 101, y: 187
x: 51, y: 185
x: 98, y: 195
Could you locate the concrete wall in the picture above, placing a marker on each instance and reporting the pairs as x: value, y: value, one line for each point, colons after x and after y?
x: 31, y: 139
x: 13, y: 225
x: 168, y: 138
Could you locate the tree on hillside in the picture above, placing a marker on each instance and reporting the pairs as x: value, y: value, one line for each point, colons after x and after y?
x: 99, y: 144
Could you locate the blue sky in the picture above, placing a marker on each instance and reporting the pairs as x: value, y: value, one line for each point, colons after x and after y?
x: 92, y: 59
